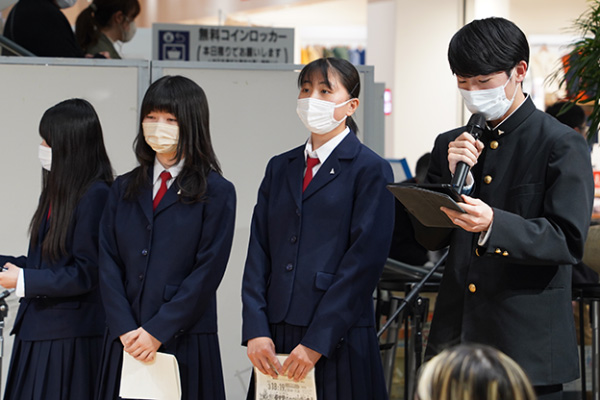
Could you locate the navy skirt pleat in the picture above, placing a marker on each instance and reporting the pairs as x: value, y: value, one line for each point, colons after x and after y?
x: 354, y: 372
x: 61, y: 369
x: 199, y: 360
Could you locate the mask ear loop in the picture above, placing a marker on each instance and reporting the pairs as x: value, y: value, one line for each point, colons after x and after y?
x: 516, y: 86
x: 354, y: 88
x: 349, y: 100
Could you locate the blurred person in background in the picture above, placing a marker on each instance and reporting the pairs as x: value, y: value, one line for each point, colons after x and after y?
x: 40, y: 27
x: 104, y: 23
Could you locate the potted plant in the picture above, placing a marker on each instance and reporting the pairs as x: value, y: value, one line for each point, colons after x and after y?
x: 581, y: 66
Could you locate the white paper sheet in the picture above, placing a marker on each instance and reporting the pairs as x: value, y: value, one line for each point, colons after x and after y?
x: 158, y: 380
x: 283, y: 388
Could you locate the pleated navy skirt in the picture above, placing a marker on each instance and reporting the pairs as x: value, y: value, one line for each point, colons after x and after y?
x: 61, y: 369
x: 199, y: 360
x: 354, y: 372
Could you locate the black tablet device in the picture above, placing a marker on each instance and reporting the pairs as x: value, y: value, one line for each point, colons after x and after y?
x: 424, y: 202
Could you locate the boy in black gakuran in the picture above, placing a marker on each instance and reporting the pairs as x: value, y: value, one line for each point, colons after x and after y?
x: 528, y: 201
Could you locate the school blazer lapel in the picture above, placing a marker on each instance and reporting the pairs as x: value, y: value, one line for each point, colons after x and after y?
x: 169, y: 198
x: 145, y: 202
x: 334, y: 165
x: 295, y: 174
x: 145, y: 198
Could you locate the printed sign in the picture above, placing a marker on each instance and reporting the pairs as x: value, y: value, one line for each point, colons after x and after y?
x: 283, y: 388
x: 177, y: 42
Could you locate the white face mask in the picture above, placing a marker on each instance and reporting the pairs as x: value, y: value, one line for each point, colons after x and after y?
x: 45, y: 156
x: 491, y: 103
x: 163, y: 138
x: 317, y: 115
x: 65, y: 3
x: 129, y: 33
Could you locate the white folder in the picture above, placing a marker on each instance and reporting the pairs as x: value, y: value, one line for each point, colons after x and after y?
x: 156, y: 380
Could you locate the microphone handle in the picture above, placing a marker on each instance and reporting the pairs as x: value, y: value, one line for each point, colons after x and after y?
x: 460, y: 176
x: 474, y: 127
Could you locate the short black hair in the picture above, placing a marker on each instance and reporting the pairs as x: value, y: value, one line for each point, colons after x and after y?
x: 485, y: 46
x: 573, y: 116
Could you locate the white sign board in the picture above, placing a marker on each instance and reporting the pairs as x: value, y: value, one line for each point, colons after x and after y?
x: 175, y: 42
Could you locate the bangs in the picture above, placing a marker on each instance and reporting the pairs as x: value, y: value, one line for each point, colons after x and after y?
x: 486, y: 46
x: 160, y: 98
x: 319, y: 67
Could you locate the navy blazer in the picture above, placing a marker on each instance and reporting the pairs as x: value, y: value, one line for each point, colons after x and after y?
x: 160, y: 270
x: 314, y: 258
x: 62, y: 298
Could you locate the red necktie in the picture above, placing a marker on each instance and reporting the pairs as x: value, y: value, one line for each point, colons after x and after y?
x: 310, y: 163
x: 164, y: 177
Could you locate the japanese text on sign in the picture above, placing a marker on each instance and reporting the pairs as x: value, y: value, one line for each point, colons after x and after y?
x: 222, y: 43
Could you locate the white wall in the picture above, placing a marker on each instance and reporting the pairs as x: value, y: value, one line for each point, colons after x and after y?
x: 424, y: 91
x: 546, y: 17
x: 381, y: 44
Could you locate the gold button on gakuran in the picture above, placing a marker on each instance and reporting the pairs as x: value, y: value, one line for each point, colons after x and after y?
x: 472, y: 288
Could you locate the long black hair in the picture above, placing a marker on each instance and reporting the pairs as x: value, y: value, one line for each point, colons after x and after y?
x: 73, y: 132
x: 98, y: 15
x: 345, y: 71
x: 187, y: 101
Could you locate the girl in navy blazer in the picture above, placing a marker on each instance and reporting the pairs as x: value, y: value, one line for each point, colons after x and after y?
x: 318, y: 246
x: 164, y: 244
x: 59, y: 325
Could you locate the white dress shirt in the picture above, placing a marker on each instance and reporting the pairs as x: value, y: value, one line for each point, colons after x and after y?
x: 158, y: 169
x: 323, y: 152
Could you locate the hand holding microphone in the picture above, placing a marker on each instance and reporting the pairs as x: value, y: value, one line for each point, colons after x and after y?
x: 464, y: 151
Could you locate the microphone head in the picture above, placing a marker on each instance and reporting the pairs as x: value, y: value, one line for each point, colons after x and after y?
x: 476, y: 125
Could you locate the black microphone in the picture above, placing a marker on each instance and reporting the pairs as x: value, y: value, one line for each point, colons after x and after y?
x: 475, y: 127
x: 6, y: 293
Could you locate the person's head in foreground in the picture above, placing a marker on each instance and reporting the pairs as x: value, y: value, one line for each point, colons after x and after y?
x: 473, y: 372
